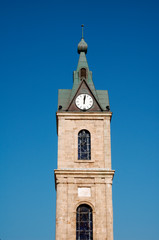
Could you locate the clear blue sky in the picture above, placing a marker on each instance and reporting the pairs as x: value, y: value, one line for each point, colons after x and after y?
x: 38, y: 53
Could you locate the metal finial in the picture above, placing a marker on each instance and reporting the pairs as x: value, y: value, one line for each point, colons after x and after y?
x: 82, y: 29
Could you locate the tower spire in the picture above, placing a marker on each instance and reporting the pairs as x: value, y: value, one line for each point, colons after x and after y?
x: 82, y: 30
x: 82, y: 46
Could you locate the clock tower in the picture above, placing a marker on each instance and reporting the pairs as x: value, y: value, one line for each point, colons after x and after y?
x: 83, y: 177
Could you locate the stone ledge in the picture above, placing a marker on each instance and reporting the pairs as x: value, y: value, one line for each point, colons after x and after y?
x: 62, y: 175
x: 84, y: 114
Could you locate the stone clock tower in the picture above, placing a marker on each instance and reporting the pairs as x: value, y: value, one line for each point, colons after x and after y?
x: 84, y: 176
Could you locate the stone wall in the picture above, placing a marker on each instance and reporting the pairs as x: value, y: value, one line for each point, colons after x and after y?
x: 98, y: 124
x: 84, y: 181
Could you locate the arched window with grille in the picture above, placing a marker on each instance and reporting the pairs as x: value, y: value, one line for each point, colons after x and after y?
x: 84, y: 145
x: 84, y: 222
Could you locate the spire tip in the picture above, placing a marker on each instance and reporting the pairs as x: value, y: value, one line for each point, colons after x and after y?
x: 82, y: 29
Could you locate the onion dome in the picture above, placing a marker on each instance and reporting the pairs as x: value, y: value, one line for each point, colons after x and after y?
x: 82, y: 46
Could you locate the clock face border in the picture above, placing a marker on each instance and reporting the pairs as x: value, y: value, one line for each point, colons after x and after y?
x: 80, y: 98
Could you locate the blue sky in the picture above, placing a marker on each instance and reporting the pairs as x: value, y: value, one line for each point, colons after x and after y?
x: 38, y: 46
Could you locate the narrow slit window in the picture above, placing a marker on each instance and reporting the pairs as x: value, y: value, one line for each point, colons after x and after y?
x: 83, y: 73
x: 84, y: 223
x: 84, y: 145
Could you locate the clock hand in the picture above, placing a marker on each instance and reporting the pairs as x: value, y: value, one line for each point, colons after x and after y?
x: 84, y: 99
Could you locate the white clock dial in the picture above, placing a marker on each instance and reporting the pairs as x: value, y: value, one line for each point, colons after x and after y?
x: 84, y: 101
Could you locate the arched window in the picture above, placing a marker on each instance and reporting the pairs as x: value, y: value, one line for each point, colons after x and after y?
x: 84, y: 223
x: 83, y: 73
x: 84, y: 145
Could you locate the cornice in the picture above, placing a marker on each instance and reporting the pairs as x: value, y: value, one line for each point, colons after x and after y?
x: 84, y: 114
x: 82, y: 171
x: 66, y: 176
x: 85, y: 171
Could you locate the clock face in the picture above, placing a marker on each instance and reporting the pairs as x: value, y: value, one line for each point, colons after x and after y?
x: 84, y: 101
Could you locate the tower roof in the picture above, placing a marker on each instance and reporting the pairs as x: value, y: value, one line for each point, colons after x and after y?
x: 66, y: 96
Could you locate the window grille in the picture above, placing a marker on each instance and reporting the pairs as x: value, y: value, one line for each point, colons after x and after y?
x: 84, y: 223
x: 84, y: 145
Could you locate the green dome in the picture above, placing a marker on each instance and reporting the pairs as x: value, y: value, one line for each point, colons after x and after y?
x: 82, y: 46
